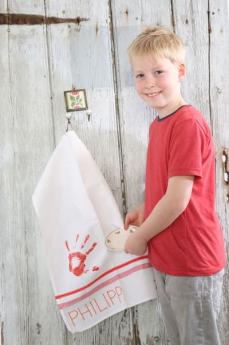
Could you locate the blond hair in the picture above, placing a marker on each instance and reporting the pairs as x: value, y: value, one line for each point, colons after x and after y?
x: 159, y: 42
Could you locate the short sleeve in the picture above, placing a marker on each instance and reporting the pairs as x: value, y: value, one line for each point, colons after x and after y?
x: 185, y: 149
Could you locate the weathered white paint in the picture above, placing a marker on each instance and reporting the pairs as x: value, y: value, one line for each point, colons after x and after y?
x: 37, y: 64
x: 3, y: 6
x: 26, y: 120
x: 189, y: 18
x: 22, y: 6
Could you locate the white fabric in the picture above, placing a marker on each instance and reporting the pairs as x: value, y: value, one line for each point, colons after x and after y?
x: 76, y: 211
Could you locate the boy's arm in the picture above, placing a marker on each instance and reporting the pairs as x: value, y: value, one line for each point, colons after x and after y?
x: 169, y: 207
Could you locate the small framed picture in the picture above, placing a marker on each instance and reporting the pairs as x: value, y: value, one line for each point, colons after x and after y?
x: 75, y: 100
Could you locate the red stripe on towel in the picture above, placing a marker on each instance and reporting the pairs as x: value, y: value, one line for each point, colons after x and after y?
x: 105, y: 283
x: 99, y: 277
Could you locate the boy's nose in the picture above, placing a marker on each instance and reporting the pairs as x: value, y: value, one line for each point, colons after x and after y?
x: 150, y: 82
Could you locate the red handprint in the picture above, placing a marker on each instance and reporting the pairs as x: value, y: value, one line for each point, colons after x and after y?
x: 77, y: 259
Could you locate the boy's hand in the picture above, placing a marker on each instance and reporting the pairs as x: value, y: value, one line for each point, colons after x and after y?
x: 135, y: 217
x: 135, y: 244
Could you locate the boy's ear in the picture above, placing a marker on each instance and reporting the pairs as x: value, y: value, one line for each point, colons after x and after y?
x: 182, y: 71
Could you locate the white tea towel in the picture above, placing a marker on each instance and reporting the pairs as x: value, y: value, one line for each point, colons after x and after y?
x: 77, y: 213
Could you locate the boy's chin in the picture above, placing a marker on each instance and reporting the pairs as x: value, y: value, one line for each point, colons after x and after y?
x: 155, y: 105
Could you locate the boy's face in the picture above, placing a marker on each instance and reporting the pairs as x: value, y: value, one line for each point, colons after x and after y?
x: 157, y: 81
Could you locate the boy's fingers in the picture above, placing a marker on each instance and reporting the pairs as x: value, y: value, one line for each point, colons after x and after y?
x: 127, y: 222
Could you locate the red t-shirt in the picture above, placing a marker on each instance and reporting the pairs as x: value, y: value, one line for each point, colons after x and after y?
x: 181, y: 144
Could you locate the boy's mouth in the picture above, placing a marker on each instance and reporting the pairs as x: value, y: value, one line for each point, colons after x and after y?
x: 152, y: 94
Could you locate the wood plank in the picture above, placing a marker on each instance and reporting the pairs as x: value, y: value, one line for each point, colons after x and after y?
x: 29, y: 311
x: 207, y: 52
x: 219, y: 95
x: 129, y: 19
x: 80, y: 56
x: 6, y: 173
x: 189, y: 17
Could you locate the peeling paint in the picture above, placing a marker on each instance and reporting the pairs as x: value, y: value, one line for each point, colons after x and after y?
x: 32, y: 19
x: 97, y: 28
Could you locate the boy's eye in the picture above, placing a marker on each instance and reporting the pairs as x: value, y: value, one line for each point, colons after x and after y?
x: 140, y: 75
x: 158, y: 72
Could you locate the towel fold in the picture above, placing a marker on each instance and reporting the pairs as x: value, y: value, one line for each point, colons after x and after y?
x: 76, y: 212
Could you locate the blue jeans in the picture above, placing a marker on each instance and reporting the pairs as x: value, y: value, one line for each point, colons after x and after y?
x: 190, y: 307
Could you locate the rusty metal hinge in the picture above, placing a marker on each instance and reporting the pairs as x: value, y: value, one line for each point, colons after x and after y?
x: 33, y: 19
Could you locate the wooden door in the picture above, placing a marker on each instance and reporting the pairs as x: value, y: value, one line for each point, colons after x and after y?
x: 40, y: 58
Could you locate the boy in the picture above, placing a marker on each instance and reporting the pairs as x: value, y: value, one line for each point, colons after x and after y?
x: 177, y: 221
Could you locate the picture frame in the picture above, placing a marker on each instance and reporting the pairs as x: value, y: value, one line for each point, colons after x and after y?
x: 75, y: 100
